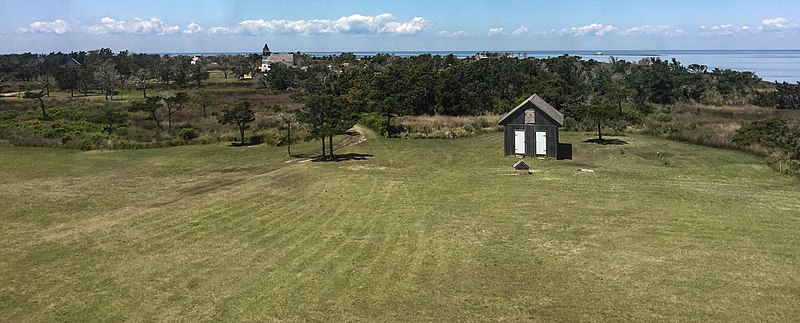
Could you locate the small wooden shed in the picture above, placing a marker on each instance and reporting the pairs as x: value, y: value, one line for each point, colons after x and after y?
x: 531, y: 129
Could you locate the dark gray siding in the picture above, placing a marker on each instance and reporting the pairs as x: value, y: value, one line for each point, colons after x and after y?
x: 530, y: 138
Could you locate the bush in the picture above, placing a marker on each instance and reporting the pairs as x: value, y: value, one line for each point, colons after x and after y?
x: 374, y: 120
x: 9, y: 115
x: 256, y: 139
x: 771, y: 133
x: 186, y: 132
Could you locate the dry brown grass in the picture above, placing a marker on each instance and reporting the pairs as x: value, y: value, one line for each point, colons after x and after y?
x: 439, y: 126
x: 715, y: 125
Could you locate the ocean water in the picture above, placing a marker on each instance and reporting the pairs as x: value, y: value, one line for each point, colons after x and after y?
x: 770, y: 65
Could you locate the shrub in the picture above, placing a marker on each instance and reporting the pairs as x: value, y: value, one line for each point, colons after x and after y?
x: 256, y: 139
x: 186, y: 132
x: 373, y: 120
x: 9, y: 115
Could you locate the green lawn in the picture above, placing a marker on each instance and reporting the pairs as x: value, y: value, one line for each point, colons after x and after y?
x: 424, y: 230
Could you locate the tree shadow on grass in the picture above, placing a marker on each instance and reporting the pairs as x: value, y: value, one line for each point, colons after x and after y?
x: 337, y: 157
x: 607, y: 141
x: 239, y: 144
x: 343, y: 157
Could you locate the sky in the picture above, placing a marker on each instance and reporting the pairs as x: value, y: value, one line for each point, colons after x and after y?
x: 199, y: 26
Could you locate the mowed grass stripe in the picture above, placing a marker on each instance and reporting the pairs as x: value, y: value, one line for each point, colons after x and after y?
x: 424, y: 229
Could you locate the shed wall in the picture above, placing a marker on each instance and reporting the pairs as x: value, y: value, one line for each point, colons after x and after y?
x: 530, y: 138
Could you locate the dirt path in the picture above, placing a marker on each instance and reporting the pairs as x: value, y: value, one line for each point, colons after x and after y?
x: 355, y: 136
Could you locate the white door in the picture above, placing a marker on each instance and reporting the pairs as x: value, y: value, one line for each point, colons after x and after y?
x: 519, y: 142
x: 541, y: 143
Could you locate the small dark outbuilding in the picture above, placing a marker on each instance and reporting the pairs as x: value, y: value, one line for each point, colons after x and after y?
x: 531, y: 129
x: 522, y: 168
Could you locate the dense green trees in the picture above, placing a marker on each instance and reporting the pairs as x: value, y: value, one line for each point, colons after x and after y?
x: 788, y: 96
x: 590, y: 93
x: 338, y: 89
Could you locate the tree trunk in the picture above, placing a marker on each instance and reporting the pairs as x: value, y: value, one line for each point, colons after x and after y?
x: 289, y: 137
x: 204, y: 112
x: 241, y: 133
x: 41, y: 104
x: 330, y: 145
x: 599, y: 132
x: 153, y: 113
x: 169, y: 119
x: 388, y: 124
x: 144, y: 92
x: 72, y: 92
x: 323, y: 148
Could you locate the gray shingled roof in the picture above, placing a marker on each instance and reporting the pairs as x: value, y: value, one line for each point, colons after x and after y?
x: 540, y: 103
x: 280, y: 58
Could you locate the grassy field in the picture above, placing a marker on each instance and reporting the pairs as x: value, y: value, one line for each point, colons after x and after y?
x: 423, y: 230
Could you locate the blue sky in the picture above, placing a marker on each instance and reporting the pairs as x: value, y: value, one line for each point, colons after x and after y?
x: 219, y: 26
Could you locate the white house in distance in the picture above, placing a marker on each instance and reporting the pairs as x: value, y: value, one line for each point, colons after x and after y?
x: 268, y: 58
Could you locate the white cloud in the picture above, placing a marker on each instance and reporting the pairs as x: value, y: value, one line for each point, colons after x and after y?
x: 520, y: 31
x: 55, y: 27
x: 659, y: 30
x: 724, y: 30
x: 135, y: 26
x: 457, y: 34
x: 777, y: 23
x: 193, y: 28
x: 595, y: 29
x: 408, y: 28
x: 354, y: 24
x: 495, y: 31
x: 219, y: 30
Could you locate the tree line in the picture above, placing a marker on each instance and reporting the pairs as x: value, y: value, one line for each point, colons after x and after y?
x: 340, y: 89
x: 102, y: 70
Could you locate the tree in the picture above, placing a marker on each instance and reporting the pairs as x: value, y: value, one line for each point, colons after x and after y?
x: 165, y: 70
x: 788, y: 96
x: 149, y: 105
x: 46, y: 81
x: 314, y: 114
x: 204, y: 100
x: 173, y: 103
x: 38, y: 96
x: 125, y: 65
x: 68, y: 79
x: 108, y: 77
x: 288, y: 119
x: 387, y: 96
x: 181, y: 70
x: 601, y: 111
x: 280, y: 77
x: 240, y: 115
x: 225, y: 65
x: 243, y: 66
x: 198, y: 73
x: 85, y: 79
x: 140, y: 79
